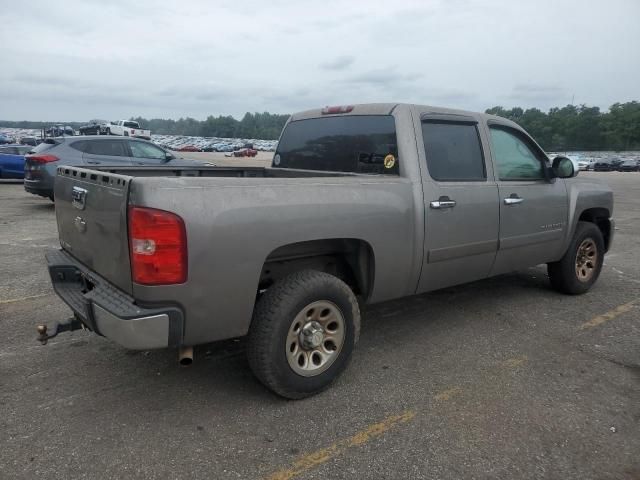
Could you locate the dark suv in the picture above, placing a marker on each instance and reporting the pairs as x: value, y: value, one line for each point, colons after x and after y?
x: 43, y: 160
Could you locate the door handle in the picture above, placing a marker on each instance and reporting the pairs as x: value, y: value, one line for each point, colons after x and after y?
x: 513, y: 199
x: 443, y: 202
x: 92, y: 162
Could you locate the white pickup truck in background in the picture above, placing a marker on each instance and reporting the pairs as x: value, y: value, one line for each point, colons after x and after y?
x: 128, y: 128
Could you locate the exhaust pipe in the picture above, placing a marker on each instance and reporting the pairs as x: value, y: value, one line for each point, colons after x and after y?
x: 185, y: 356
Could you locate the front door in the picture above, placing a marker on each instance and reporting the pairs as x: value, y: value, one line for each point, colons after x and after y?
x: 145, y: 153
x: 461, y: 205
x: 533, y: 208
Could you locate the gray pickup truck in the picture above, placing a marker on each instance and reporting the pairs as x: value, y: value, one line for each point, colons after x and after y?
x: 362, y: 204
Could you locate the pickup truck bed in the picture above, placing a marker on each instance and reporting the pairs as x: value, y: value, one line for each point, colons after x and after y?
x: 258, y: 205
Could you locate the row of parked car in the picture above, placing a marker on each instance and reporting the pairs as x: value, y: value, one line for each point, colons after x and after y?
x: 617, y: 165
x: 212, y: 144
x: 605, y: 162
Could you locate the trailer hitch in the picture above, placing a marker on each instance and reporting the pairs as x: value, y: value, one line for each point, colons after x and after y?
x: 69, y: 325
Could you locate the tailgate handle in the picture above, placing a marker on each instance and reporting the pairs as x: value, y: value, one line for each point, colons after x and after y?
x: 79, y: 197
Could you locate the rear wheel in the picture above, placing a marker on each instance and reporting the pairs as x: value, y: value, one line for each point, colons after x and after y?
x: 303, y: 332
x: 108, y: 131
x: 580, y: 266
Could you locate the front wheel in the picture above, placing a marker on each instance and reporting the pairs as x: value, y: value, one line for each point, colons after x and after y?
x: 581, y: 264
x: 303, y: 332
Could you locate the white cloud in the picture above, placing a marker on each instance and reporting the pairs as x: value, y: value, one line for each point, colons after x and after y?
x: 75, y: 60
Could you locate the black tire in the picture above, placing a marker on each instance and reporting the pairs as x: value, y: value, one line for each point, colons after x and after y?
x: 108, y: 131
x: 272, y: 321
x: 563, y: 275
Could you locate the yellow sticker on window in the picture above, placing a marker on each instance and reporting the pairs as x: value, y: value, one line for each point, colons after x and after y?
x: 389, y: 161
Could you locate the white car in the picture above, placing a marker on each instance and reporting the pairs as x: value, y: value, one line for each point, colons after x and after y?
x: 586, y: 164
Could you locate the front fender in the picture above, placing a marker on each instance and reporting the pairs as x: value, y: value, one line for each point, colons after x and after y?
x: 588, y: 200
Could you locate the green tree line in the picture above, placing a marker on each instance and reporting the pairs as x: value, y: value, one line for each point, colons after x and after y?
x: 566, y: 128
x: 580, y: 127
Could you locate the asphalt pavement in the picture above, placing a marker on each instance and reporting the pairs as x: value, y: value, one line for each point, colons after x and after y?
x: 503, y: 378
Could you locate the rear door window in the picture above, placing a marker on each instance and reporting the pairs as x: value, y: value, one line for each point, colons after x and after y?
x: 453, y: 152
x: 354, y: 143
x: 112, y: 148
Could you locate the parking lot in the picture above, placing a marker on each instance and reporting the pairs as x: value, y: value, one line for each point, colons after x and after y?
x: 497, y: 379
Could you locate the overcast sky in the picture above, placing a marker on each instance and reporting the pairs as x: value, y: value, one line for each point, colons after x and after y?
x: 110, y: 59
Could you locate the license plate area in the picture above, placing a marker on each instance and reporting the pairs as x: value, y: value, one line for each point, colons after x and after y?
x: 72, y: 286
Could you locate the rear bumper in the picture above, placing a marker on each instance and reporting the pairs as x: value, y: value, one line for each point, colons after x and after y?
x: 38, y: 187
x: 110, y: 312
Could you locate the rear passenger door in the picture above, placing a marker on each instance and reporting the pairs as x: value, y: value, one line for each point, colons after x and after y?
x: 533, y: 208
x: 461, y: 203
x: 107, y: 152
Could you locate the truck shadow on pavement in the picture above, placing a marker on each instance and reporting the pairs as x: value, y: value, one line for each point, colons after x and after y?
x: 221, y: 373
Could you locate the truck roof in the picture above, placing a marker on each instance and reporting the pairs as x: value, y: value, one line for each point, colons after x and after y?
x: 387, y: 108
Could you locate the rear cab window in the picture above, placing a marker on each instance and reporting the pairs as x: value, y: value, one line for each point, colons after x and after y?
x: 351, y: 143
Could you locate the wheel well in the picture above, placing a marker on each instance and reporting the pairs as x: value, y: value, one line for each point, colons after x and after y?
x: 349, y: 259
x: 599, y: 216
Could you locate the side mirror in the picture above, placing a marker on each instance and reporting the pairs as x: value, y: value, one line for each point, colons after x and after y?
x: 563, y: 167
x: 168, y: 156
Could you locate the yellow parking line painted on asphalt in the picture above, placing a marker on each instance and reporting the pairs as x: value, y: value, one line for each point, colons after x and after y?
x: 447, y: 394
x: 22, y: 299
x: 610, y: 315
x: 515, y: 362
x: 311, y: 460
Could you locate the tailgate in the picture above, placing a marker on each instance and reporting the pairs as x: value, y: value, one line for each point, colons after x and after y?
x: 91, y: 211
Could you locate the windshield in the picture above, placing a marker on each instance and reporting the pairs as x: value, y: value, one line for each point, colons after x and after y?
x: 355, y: 143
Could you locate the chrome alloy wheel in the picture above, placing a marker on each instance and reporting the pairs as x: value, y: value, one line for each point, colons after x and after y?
x: 586, y: 260
x: 315, y: 338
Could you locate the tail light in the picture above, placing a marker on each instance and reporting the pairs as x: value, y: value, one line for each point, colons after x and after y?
x: 42, y: 158
x: 132, y: 131
x: 158, y: 247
